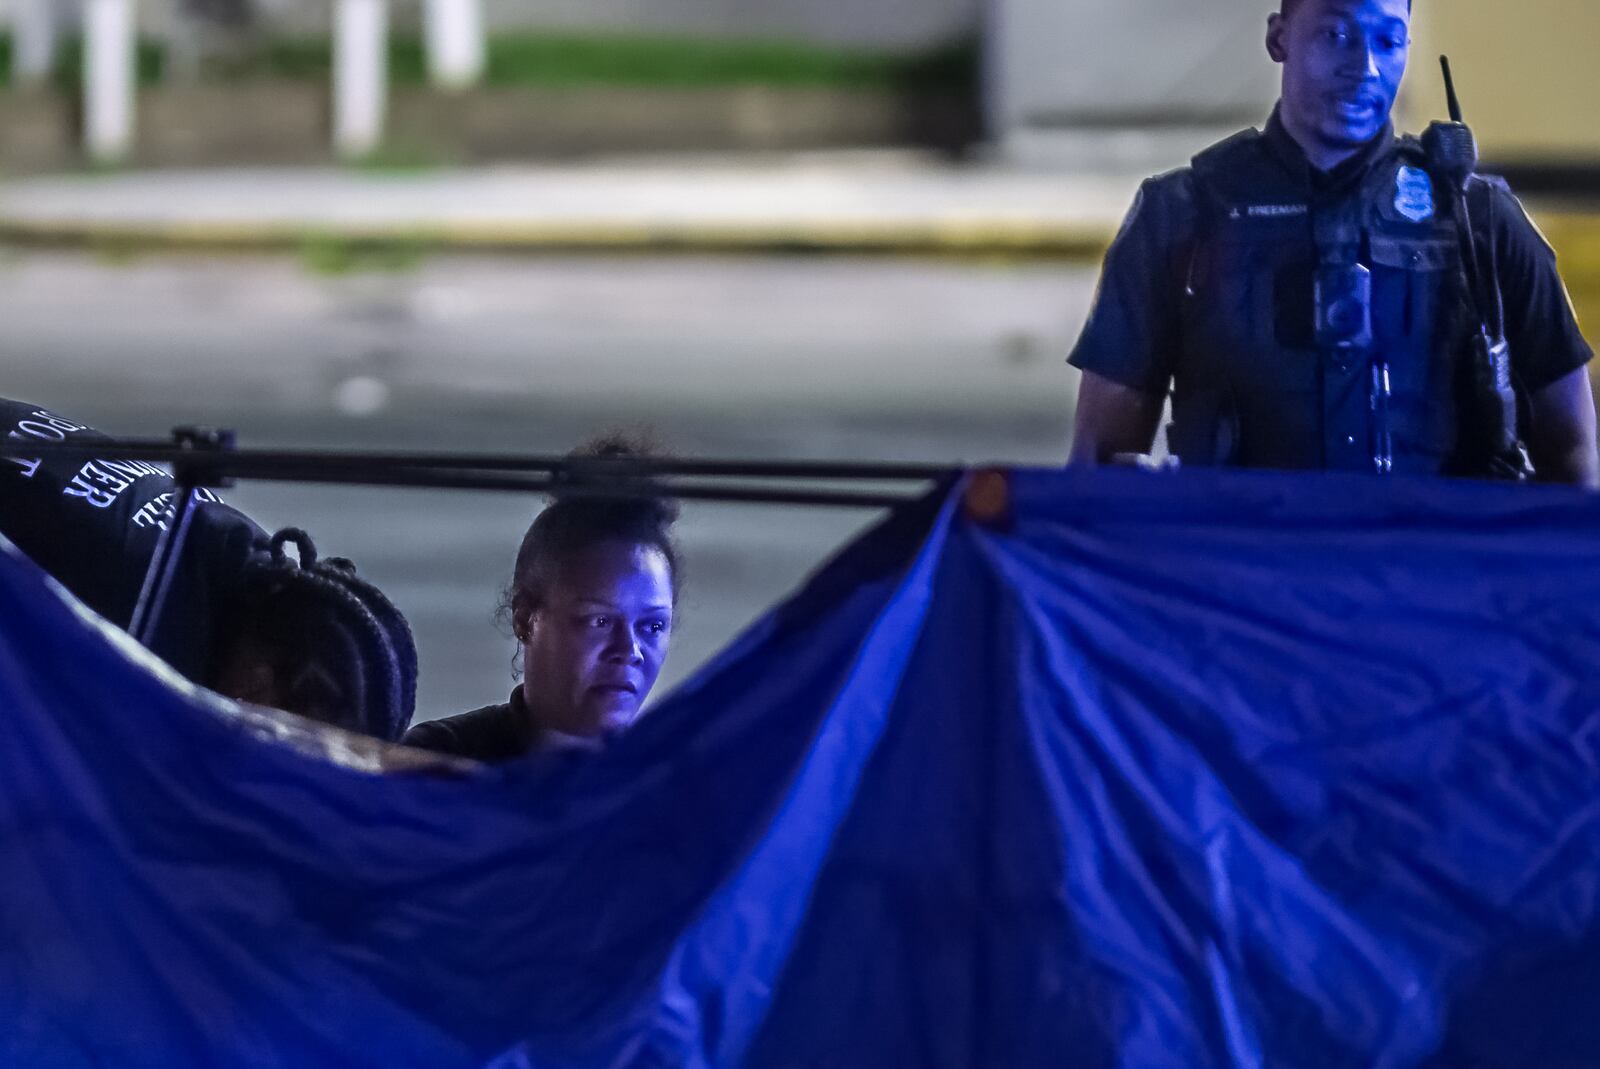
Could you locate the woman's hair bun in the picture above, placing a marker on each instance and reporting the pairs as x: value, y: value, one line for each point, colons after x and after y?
x: 632, y: 445
x: 634, y: 509
x: 617, y: 445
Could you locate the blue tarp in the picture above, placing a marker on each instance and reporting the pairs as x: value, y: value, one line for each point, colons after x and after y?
x: 1213, y: 770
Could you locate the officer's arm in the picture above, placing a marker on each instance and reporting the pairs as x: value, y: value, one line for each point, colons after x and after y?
x: 1112, y: 419
x: 1548, y: 351
x: 1562, y: 431
x: 1132, y: 331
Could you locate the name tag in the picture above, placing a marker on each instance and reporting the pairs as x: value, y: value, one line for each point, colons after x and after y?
x: 1269, y: 211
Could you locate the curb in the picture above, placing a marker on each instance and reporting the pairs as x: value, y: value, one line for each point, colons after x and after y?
x: 1574, y: 234
x: 975, y: 238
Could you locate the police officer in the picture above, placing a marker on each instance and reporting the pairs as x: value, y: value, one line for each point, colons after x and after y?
x: 1304, y: 290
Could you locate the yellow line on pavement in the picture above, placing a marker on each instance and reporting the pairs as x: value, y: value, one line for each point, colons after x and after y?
x: 1086, y: 241
x: 1575, y: 235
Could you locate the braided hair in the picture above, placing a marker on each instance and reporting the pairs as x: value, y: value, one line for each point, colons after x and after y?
x: 572, y: 524
x: 333, y: 647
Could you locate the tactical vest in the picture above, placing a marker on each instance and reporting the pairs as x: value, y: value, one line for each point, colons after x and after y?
x: 1252, y: 388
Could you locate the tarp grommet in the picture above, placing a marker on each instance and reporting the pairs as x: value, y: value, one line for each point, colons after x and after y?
x: 988, y: 498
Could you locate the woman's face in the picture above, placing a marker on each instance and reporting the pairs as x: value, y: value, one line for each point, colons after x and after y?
x: 593, y: 648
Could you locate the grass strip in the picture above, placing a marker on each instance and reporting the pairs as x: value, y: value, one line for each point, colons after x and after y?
x: 547, y: 60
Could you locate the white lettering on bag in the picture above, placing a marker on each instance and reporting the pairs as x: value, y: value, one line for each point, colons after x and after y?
x: 100, y: 499
x: 43, y: 425
x: 131, y: 469
x: 158, y: 510
x: 30, y: 468
x: 48, y: 427
x: 101, y: 482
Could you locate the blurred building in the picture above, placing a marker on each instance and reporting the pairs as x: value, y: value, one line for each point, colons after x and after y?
x: 1526, y: 74
x: 1116, y: 85
x: 1145, y: 83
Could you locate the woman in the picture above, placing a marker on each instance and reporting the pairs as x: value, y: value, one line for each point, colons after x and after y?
x: 591, y: 604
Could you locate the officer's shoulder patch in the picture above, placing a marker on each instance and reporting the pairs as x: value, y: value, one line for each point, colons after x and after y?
x: 1413, y: 196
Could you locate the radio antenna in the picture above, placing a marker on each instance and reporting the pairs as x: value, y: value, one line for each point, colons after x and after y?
x: 1450, y: 90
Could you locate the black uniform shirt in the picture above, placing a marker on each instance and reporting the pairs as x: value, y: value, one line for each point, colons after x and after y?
x: 1132, y: 334
x: 493, y: 733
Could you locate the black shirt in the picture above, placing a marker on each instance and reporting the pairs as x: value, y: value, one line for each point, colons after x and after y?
x: 1132, y: 336
x: 1343, y: 177
x: 493, y: 733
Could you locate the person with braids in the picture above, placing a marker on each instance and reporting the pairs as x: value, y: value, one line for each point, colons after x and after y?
x: 591, y: 604
x: 243, y: 619
x: 312, y: 637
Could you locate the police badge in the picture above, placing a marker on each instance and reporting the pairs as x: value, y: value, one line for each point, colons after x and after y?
x: 1414, y: 194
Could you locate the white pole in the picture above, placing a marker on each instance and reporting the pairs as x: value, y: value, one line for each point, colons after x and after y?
x: 33, y: 41
x: 455, y: 42
x: 360, y: 75
x: 108, y: 79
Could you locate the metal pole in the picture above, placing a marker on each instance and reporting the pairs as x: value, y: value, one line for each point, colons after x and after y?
x: 109, y: 74
x: 780, y: 482
x: 360, y: 76
x: 163, y: 568
x: 247, y: 463
x: 455, y: 41
x: 35, y: 34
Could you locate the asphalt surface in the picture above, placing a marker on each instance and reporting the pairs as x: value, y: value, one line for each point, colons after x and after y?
x: 758, y: 357
x: 349, y: 308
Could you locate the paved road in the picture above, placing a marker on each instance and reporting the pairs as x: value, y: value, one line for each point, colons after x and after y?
x: 806, y: 357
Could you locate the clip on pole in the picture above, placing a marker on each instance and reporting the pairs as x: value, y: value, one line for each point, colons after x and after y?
x: 190, y: 476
